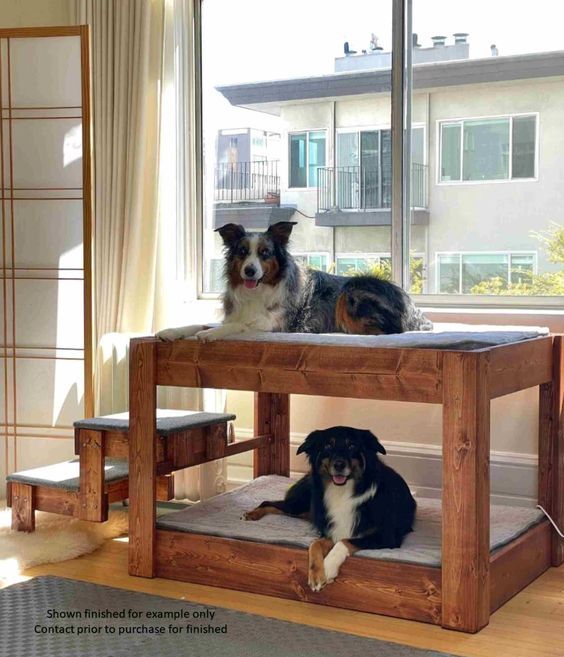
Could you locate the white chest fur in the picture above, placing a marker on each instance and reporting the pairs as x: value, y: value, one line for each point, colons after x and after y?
x: 342, y: 505
x: 261, y: 308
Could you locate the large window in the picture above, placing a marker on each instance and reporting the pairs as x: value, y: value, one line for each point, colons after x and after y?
x: 488, y: 149
x: 306, y: 155
x: 487, y: 142
x: 476, y: 273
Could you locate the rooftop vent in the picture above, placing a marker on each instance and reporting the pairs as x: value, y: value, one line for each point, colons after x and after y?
x: 438, y: 41
x: 415, y: 40
x: 460, y: 37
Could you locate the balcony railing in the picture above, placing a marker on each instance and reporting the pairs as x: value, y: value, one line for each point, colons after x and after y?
x: 247, y: 181
x: 364, y: 188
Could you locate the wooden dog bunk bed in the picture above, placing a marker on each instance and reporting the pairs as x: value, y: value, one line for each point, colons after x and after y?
x: 471, y: 582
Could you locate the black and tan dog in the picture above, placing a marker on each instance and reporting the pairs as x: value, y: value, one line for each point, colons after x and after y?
x: 266, y: 290
x: 353, y: 499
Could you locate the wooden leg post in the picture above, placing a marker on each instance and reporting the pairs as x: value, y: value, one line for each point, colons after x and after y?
x: 23, y: 507
x: 551, y: 447
x: 142, y: 457
x: 466, y: 492
x: 93, y: 501
x: 272, y: 415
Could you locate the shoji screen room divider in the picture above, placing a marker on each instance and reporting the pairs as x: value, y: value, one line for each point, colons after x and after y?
x: 45, y: 241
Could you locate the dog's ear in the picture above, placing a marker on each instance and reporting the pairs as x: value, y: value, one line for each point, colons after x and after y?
x: 231, y: 233
x: 312, y: 443
x: 281, y: 231
x: 372, y: 442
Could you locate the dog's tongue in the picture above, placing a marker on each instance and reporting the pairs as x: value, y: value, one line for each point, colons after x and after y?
x: 250, y: 284
x: 339, y: 479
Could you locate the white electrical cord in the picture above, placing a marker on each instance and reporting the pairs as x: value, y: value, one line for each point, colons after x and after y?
x: 558, y: 531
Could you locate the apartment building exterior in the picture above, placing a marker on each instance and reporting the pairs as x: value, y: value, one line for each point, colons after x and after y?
x: 487, y: 163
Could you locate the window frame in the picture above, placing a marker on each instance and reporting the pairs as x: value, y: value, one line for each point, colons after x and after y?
x: 508, y: 253
x: 307, y: 131
x: 325, y: 254
x: 460, y: 121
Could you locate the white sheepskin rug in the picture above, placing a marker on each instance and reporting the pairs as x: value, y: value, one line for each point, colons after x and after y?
x: 56, y: 538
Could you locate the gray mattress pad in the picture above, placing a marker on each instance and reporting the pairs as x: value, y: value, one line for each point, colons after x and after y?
x: 222, y: 516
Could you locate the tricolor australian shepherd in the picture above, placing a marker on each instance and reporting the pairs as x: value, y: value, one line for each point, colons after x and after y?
x: 266, y: 290
x: 353, y: 499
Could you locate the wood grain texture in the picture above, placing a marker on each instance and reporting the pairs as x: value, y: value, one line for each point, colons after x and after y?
x: 93, y: 499
x: 165, y: 488
x: 23, y: 507
x: 142, y: 457
x: 466, y: 490
x: 116, y: 445
x: 519, y: 563
x: 393, y: 589
x: 216, y: 441
x: 272, y: 416
x: 551, y: 447
x: 520, y: 365
x: 366, y: 373
x: 56, y: 500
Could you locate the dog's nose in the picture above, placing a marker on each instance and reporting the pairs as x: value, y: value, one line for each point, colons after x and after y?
x: 339, y: 465
x: 250, y: 270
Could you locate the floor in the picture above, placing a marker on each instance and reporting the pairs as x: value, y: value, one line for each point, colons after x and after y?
x: 530, y: 625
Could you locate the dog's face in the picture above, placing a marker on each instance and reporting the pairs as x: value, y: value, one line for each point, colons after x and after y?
x: 254, y: 258
x: 339, y: 454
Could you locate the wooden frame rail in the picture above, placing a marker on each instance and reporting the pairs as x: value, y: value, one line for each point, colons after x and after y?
x: 471, y: 582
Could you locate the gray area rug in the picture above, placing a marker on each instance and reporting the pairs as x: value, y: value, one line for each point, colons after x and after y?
x: 176, y: 628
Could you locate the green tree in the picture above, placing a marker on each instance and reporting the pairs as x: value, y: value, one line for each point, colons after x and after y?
x: 383, y: 270
x: 545, y: 284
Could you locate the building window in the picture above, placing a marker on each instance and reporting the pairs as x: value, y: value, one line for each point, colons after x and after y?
x: 318, y: 261
x: 364, y: 168
x: 501, y: 148
x: 462, y: 273
x: 307, y: 153
x: 362, y: 263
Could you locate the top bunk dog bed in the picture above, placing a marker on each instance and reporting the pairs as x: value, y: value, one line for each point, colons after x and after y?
x: 463, y: 561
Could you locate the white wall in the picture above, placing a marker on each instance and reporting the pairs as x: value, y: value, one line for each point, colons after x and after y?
x: 33, y: 13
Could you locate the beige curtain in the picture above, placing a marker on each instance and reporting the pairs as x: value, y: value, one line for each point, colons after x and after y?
x: 137, y: 143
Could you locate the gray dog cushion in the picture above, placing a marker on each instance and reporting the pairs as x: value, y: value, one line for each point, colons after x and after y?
x: 168, y: 421
x: 222, y: 516
x: 66, y: 475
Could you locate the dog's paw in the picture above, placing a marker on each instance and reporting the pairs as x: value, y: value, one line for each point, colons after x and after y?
x: 317, y: 579
x: 168, y: 335
x: 334, y: 560
x: 255, y: 514
x: 208, y: 335
x: 178, y: 333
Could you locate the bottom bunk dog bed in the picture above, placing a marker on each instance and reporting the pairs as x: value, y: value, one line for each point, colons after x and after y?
x: 453, y: 573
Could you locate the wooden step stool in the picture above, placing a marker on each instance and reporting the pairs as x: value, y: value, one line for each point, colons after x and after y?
x: 84, y: 487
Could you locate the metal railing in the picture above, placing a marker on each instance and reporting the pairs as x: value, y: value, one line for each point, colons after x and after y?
x: 364, y: 188
x: 247, y: 181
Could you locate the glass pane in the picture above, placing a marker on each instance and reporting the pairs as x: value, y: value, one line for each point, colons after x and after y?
x: 506, y: 197
x: 347, y: 174
x: 483, y: 267
x: 449, y: 274
x: 522, y: 267
x: 316, y: 145
x: 370, y: 187
x: 486, y: 150
x: 523, y: 158
x: 450, y: 152
x: 418, y: 145
x: 386, y: 167
x: 298, y: 171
